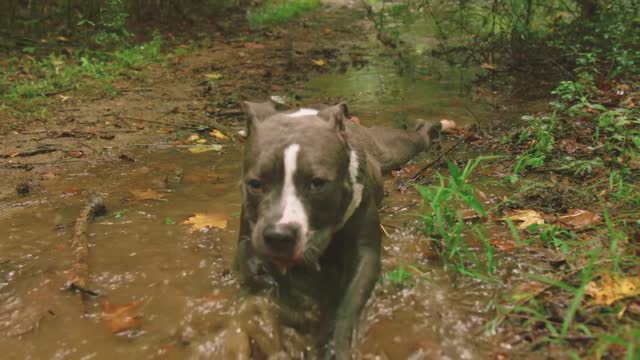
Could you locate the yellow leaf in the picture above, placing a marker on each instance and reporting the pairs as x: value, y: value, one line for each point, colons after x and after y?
x: 319, y: 62
x: 213, y: 76
x: 193, y: 138
x: 610, y: 290
x: 218, y: 135
x: 527, y: 217
x: 198, y: 149
x: 203, y: 222
x: 201, y: 141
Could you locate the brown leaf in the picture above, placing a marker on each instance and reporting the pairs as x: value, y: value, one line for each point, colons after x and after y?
x: 610, y: 290
x: 488, y: 66
x: 203, y: 222
x: 75, y: 154
x: 253, y: 45
x: 141, y: 195
x: 527, y: 217
x: 578, y: 219
x: 121, y: 317
x: 504, y: 244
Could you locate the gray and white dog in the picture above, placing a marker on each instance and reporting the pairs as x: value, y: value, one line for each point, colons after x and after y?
x: 310, y: 190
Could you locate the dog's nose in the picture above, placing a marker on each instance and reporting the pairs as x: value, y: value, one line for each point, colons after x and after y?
x: 281, y: 237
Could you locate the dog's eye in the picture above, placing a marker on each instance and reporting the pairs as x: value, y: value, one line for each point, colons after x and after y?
x: 254, y: 185
x: 318, y: 184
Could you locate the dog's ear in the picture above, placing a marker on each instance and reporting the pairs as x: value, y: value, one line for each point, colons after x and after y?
x: 336, y: 115
x: 256, y: 112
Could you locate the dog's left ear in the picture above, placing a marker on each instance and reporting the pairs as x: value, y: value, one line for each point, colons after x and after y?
x: 336, y: 115
x: 256, y: 112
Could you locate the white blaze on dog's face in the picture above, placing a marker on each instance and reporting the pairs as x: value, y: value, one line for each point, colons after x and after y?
x: 301, y: 181
x: 293, y: 211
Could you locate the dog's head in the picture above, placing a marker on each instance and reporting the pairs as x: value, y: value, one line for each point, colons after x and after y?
x: 301, y: 181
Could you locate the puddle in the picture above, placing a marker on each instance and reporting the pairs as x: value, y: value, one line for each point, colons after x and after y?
x: 190, y: 302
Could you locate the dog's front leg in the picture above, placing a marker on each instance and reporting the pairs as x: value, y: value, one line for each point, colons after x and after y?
x: 365, y: 274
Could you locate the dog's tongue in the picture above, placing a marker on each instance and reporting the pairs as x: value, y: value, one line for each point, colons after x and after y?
x: 284, y: 264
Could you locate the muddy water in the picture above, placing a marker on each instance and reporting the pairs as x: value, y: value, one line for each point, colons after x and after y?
x: 178, y: 280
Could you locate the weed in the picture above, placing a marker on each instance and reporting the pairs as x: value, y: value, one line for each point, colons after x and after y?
x: 402, y: 275
x: 280, y: 11
x: 443, y: 221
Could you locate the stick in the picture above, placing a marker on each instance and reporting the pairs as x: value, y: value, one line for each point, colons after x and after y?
x: 187, y: 126
x: 79, y: 272
x: 434, y: 161
x: 28, y: 153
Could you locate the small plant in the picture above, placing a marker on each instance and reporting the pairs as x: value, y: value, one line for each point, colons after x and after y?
x: 445, y: 222
x: 280, y: 11
x: 401, y: 275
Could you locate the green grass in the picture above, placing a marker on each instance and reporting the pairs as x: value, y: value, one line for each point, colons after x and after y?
x: 280, y: 11
x: 28, y: 83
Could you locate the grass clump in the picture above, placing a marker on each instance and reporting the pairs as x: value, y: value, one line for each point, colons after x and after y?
x: 273, y: 11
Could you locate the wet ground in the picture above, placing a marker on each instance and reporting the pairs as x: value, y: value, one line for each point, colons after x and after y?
x: 161, y: 258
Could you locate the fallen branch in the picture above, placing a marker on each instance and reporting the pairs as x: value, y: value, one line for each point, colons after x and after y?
x: 438, y: 159
x: 28, y: 153
x: 79, y: 272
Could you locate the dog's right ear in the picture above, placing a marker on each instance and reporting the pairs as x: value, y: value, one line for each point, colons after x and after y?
x: 256, y: 112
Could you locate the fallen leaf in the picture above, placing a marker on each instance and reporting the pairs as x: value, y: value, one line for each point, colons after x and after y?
x: 218, y: 135
x: 198, y: 149
x: 121, y: 317
x: 488, y: 66
x: 253, y: 45
x: 426, y: 77
x: 203, y: 222
x: 193, y: 138
x: 213, y: 76
x: 504, y: 244
x: 319, y: 62
x: 75, y: 154
x: 169, y: 221
x: 62, y: 38
x: 578, y: 219
x: 201, y: 141
x: 610, y: 290
x: 527, y: 217
x: 141, y: 195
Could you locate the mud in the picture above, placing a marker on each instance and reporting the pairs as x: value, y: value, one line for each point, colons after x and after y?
x: 174, y: 277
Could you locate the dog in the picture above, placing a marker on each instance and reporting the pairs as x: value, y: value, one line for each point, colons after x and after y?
x: 311, y: 187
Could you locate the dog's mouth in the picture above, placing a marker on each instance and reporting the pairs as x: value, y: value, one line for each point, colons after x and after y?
x: 306, y: 253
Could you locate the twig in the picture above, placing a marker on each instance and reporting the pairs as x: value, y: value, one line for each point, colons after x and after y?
x: 475, y: 117
x: 133, y: 89
x: 187, y: 126
x: 79, y: 272
x: 28, y: 153
x: 52, y: 93
x: 435, y: 161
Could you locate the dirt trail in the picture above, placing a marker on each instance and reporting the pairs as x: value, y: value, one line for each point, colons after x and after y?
x: 158, y: 103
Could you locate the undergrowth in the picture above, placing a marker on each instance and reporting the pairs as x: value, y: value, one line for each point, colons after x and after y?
x: 276, y: 11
